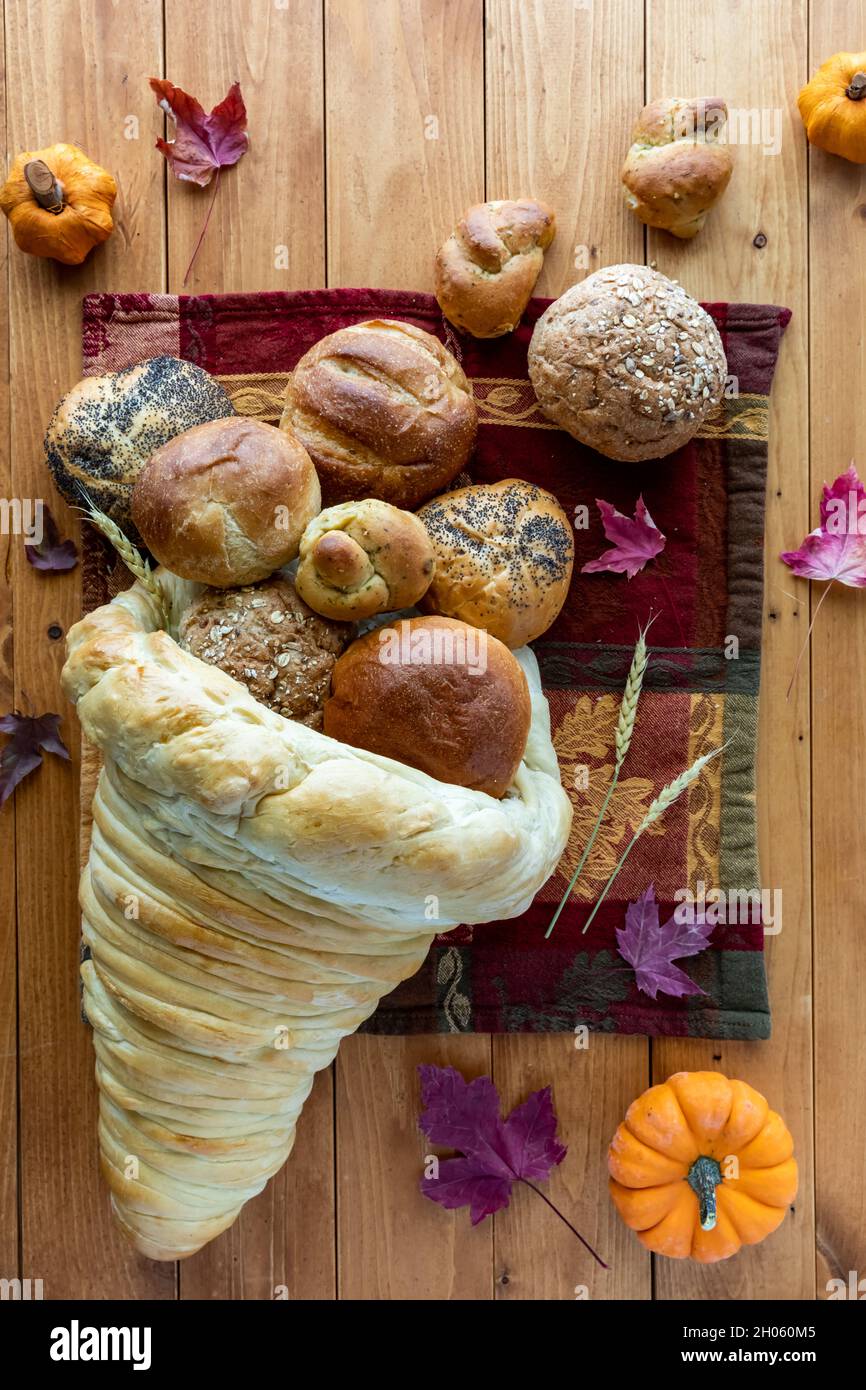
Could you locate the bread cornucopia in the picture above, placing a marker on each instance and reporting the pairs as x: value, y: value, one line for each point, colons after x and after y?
x: 253, y: 889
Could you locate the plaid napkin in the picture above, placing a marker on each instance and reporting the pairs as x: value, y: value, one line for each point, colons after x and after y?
x: 701, y: 686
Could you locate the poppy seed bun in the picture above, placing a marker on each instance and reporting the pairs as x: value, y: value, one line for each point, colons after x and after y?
x: 105, y: 429
x: 226, y: 503
x: 628, y: 363
x: 384, y: 410
x: 362, y: 558
x: 435, y: 694
x: 504, y: 554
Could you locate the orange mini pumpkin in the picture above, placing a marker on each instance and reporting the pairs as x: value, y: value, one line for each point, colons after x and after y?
x: 58, y: 203
x: 700, y: 1166
x: 833, y: 108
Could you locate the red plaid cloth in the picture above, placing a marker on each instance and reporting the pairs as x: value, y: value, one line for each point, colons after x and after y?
x: 701, y: 685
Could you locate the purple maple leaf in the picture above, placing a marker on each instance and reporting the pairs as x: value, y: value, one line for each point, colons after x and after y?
x: 651, y: 949
x: 836, y: 549
x: 30, y: 737
x: 635, y: 540
x: 51, y: 553
x: 496, y: 1153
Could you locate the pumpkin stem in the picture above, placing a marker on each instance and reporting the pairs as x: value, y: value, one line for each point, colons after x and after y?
x: 44, y: 186
x: 856, y: 89
x: 704, y: 1177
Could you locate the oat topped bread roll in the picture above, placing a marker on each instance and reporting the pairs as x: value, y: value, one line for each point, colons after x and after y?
x: 268, y: 639
x: 487, y: 269
x: 628, y: 363
x: 676, y: 168
x: 105, y: 429
x: 226, y: 503
x: 504, y: 554
x: 384, y: 411
x: 362, y: 558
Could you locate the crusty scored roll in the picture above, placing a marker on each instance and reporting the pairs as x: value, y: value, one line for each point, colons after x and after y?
x: 253, y: 889
x: 384, y: 410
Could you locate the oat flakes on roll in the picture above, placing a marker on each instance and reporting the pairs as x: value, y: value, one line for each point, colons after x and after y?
x: 628, y: 363
x: 384, y: 410
x: 504, y: 555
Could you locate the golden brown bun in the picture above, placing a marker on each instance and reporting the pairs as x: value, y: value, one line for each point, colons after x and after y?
x: 676, y: 169
x: 628, y: 363
x: 226, y: 503
x: 362, y: 558
x: 504, y: 555
x: 487, y: 269
x: 435, y: 694
x: 266, y: 637
x: 105, y: 429
x: 384, y: 411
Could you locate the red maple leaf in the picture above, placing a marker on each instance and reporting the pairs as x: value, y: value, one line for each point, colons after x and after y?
x: 635, y: 540
x: 651, y: 949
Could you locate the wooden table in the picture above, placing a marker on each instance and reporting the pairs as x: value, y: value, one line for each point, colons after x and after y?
x: 374, y: 123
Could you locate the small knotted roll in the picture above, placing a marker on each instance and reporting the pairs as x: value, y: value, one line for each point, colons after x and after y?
x: 362, y: 558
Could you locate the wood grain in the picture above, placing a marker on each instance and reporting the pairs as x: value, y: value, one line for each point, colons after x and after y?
x: 69, y: 1240
x: 271, y: 203
x: 755, y: 56
x: 393, y: 195
x: 837, y: 202
x: 267, y: 227
x: 544, y: 122
x: 8, y: 952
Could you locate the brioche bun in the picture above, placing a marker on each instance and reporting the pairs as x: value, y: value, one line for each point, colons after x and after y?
x: 435, y: 694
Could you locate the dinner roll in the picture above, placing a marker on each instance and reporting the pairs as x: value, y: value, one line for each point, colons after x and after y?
x: 362, y: 558
x: 487, y: 269
x: 436, y: 694
x: 676, y: 168
x: 504, y: 555
x: 105, y: 429
x: 628, y: 363
x: 226, y: 503
x: 384, y: 411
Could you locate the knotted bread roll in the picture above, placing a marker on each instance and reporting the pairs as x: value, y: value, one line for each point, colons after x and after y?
x: 676, y: 169
x: 362, y: 558
x: 487, y: 269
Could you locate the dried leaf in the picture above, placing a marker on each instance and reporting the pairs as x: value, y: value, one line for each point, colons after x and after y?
x: 30, y: 737
x: 837, y: 548
x: 202, y: 144
x: 634, y: 540
x: 651, y: 949
x: 51, y: 553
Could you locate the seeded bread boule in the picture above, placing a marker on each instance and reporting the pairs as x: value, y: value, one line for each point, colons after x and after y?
x: 268, y: 639
x: 628, y: 363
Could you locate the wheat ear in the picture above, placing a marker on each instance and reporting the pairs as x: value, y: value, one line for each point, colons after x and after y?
x: 666, y: 797
x: 622, y: 739
x: 129, y: 554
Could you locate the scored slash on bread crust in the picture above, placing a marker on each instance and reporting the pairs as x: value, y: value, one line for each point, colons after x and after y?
x: 384, y: 410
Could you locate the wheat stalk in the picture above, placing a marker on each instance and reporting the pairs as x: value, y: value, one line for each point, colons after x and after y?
x: 622, y: 739
x: 666, y: 798
x: 129, y: 554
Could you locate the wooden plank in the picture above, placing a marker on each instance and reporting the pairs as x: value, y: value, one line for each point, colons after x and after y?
x: 266, y: 232
x: 405, y: 155
x: 837, y: 205
x: 9, y: 975
x: 754, y: 56
x: 76, y: 70
x: 545, y: 64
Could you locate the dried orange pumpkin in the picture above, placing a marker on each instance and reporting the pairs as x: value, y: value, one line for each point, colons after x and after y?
x: 58, y: 203
x: 700, y: 1166
x: 833, y: 108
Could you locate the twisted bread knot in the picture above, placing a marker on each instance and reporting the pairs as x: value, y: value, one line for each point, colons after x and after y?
x: 487, y: 269
x: 676, y: 168
x: 362, y: 558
